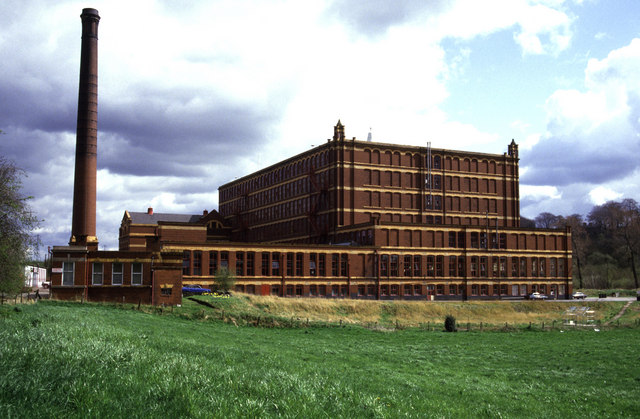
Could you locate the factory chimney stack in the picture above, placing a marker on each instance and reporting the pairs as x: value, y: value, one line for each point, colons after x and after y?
x: 83, y: 228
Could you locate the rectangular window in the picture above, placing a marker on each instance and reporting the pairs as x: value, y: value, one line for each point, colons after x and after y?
x: 552, y: 267
x: 461, y: 240
x: 407, y: 266
x: 439, y: 266
x: 213, y: 262
x: 452, y: 266
x: 136, y: 273
x: 289, y: 264
x: 534, y: 267
x: 503, y: 240
x: 250, y: 263
x: 417, y: 265
x: 514, y: 267
x: 384, y: 263
x: 439, y: 289
x: 483, y: 240
x: 165, y: 292
x: 474, y: 240
x: 224, y: 260
x: 344, y: 262
x: 483, y: 266
x: 561, y: 271
x: 298, y: 264
x: 240, y: 263
x: 542, y: 266
x: 197, y: 262
x: 494, y: 267
x: 265, y: 264
x: 322, y: 263
x: 67, y: 273
x: 393, y: 265
x: 186, y: 262
x: 452, y: 239
x: 474, y: 266
x: 116, y: 273
x: 334, y: 264
x: 430, y: 266
x: 96, y: 276
x: 312, y: 264
x: 275, y: 264
x: 503, y: 266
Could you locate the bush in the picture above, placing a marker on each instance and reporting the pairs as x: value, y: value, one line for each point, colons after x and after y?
x: 224, y: 279
x: 450, y: 324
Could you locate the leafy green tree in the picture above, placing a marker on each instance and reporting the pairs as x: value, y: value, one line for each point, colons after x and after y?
x: 225, y: 279
x: 17, y: 222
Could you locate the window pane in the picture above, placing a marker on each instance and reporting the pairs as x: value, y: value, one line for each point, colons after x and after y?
x: 67, y: 273
x: 116, y: 273
x: 96, y: 278
x: 136, y: 274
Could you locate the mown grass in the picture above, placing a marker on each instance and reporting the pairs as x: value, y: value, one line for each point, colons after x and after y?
x: 89, y: 360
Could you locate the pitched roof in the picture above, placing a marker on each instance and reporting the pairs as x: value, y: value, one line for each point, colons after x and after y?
x: 146, y: 218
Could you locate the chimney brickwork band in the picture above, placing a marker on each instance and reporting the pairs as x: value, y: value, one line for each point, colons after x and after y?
x: 83, y: 229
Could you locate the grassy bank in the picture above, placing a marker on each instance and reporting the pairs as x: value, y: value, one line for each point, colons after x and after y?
x: 79, y: 360
x: 279, y: 311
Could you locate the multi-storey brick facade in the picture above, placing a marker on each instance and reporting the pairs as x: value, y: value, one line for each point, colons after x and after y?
x: 369, y: 220
x: 344, y: 219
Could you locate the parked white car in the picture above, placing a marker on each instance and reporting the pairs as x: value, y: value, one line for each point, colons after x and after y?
x: 579, y: 295
x: 537, y: 296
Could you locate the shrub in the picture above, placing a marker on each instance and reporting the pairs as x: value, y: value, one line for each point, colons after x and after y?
x: 224, y: 279
x: 450, y: 324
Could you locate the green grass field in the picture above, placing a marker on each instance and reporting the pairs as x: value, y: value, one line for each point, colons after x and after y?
x: 88, y: 360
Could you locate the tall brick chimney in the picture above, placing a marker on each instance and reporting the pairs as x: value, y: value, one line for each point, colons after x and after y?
x: 83, y: 228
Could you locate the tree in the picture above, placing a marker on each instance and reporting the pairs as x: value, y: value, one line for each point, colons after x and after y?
x: 224, y: 279
x: 579, y: 241
x: 17, y: 222
x: 617, y: 225
x: 629, y: 232
x: 547, y: 220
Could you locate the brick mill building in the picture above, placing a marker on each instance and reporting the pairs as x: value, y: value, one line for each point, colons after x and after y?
x: 347, y: 219
x: 368, y: 220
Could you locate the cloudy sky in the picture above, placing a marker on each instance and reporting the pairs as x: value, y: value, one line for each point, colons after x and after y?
x: 193, y: 94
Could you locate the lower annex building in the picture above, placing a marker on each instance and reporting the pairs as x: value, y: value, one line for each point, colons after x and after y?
x: 367, y: 220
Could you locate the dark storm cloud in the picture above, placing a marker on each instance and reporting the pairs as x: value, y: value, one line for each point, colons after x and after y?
x: 173, y: 132
x: 376, y: 17
x: 595, y: 156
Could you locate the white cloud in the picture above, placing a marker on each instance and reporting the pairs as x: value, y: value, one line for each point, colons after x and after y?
x: 601, y: 194
x: 593, y: 135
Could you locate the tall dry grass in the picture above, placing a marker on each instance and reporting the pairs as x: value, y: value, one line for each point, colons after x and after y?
x: 415, y: 313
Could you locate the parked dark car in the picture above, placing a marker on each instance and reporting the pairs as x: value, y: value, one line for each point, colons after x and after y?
x: 194, y: 290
